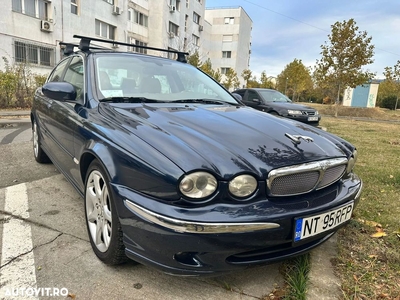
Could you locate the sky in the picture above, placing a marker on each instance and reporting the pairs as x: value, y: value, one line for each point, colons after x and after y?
x: 287, y: 29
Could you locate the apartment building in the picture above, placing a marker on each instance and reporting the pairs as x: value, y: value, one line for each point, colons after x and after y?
x: 230, y: 44
x: 30, y: 30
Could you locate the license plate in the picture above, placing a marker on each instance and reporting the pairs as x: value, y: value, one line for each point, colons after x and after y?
x: 312, y: 119
x: 310, y: 226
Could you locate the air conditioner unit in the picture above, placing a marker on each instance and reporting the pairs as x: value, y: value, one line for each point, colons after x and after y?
x: 46, y: 26
x: 171, y: 35
x: 172, y: 8
x: 117, y: 10
x: 201, y: 27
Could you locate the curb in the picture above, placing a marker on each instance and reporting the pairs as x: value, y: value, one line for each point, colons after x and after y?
x: 14, y: 113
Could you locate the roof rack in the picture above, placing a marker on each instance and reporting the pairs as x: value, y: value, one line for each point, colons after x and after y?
x: 84, y: 45
x: 69, y: 47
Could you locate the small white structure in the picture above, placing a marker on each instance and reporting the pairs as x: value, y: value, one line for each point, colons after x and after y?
x: 361, y: 96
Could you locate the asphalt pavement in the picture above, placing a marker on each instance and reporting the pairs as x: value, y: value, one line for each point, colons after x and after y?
x: 323, y: 283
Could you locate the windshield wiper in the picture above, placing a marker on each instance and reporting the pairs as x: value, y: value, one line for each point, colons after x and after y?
x: 206, y: 101
x: 130, y: 100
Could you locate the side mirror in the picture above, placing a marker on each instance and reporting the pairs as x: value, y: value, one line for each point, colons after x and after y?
x: 256, y: 100
x: 237, y: 97
x: 61, y: 91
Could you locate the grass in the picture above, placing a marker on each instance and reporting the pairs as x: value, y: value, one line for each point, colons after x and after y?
x: 369, y: 267
x: 376, y: 113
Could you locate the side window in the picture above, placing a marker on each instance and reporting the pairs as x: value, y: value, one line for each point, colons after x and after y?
x: 241, y: 93
x: 74, y: 75
x: 251, y: 95
x: 58, y: 71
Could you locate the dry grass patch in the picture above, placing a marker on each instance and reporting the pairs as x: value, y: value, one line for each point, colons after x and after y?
x: 357, y: 112
x: 368, y: 262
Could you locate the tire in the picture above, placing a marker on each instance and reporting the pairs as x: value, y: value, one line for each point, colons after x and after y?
x: 102, y: 220
x: 38, y: 153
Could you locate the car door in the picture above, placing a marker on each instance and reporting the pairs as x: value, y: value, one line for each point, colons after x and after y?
x: 43, y: 104
x: 64, y: 119
x: 253, y: 99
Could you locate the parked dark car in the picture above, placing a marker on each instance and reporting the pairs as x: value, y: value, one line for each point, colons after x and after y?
x: 177, y: 174
x: 276, y: 103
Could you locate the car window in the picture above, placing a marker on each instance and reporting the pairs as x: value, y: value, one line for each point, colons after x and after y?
x: 155, y: 78
x: 252, y: 95
x: 58, y: 72
x: 273, y: 96
x: 74, y: 75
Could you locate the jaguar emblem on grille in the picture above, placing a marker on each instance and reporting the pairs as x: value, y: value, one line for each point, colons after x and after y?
x: 296, y: 139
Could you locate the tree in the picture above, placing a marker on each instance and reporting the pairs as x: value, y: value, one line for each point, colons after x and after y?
x: 206, y: 67
x: 392, y: 75
x: 265, y: 82
x: 295, y: 79
x: 194, y: 59
x: 344, y: 56
x: 246, y: 75
x: 231, y: 80
x: 253, y: 82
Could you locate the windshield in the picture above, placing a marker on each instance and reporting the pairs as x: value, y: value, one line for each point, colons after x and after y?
x: 273, y: 96
x: 134, y: 76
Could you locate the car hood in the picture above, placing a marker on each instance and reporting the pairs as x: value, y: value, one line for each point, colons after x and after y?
x: 291, y: 105
x: 225, y: 140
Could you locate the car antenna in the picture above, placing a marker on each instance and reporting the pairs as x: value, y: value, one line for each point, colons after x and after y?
x: 84, y: 45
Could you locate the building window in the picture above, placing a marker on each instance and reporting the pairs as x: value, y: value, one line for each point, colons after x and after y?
x: 195, y: 39
x: 186, y: 21
x: 138, y: 17
x: 105, y: 30
x: 224, y: 71
x: 187, y: 3
x: 33, y: 54
x: 110, y: 1
x: 140, y: 50
x: 226, y: 54
x: 176, y: 3
x: 74, y: 6
x: 33, y: 8
x: 229, y: 20
x: 196, y: 18
x: 227, y: 38
x: 173, y: 28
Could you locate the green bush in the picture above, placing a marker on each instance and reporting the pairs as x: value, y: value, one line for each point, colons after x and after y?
x: 17, y: 85
x: 389, y: 102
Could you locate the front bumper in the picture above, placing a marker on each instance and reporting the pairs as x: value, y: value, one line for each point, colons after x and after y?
x: 220, y: 238
x: 304, y: 118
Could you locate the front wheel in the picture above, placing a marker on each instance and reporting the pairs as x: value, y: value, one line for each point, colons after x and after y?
x: 102, y: 220
x: 38, y: 153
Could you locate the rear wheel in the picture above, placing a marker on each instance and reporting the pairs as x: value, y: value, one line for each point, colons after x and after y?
x: 274, y: 113
x: 102, y: 220
x: 38, y: 153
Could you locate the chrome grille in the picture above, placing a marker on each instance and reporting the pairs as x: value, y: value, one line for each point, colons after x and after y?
x: 300, y: 179
x: 294, y: 183
x: 331, y: 175
x: 308, y: 113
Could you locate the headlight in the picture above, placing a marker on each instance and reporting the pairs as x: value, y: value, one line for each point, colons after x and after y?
x: 294, y: 112
x: 242, y: 185
x: 352, y: 162
x: 316, y: 113
x: 198, y: 185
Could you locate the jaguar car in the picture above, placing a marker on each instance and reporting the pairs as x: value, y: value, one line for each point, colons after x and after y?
x: 276, y: 103
x: 177, y: 174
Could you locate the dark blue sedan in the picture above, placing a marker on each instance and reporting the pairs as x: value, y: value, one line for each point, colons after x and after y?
x: 179, y: 175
